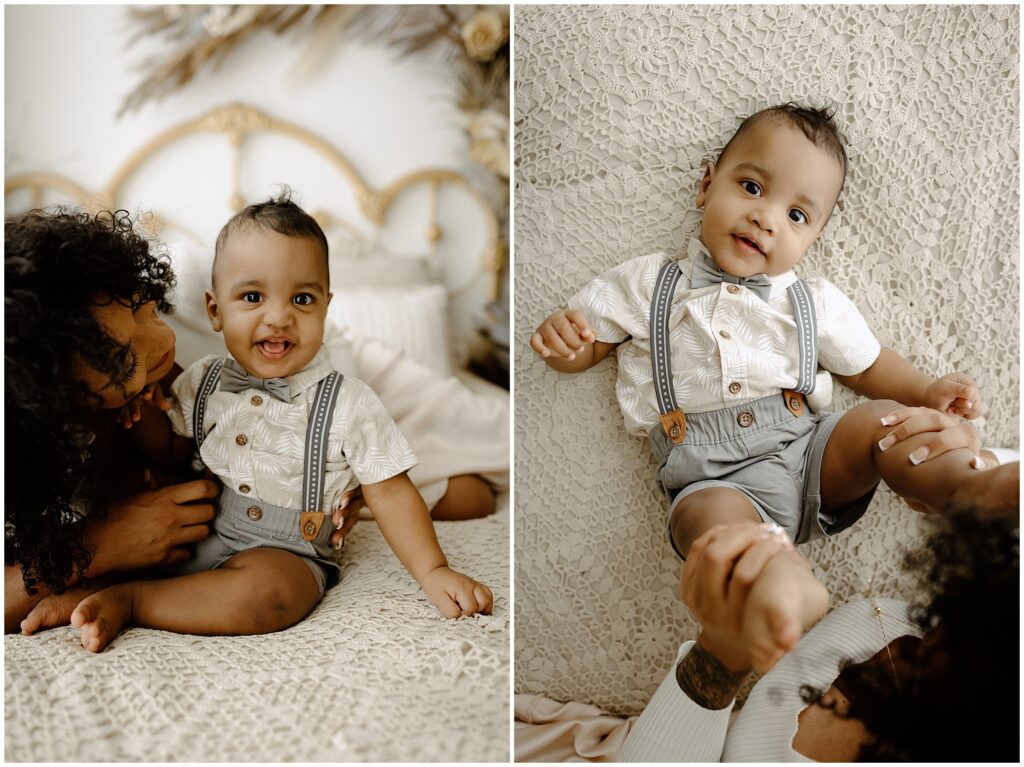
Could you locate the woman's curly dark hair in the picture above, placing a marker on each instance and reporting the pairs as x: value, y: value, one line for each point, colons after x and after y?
x: 57, y: 266
x: 959, y: 700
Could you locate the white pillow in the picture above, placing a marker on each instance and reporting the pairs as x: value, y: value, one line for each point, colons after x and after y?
x: 411, y: 319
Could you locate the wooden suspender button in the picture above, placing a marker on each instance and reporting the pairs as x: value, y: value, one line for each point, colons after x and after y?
x: 243, y: 488
x: 745, y: 418
x: 255, y: 513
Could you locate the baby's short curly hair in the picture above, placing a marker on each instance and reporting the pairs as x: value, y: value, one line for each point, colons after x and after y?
x: 817, y: 124
x: 58, y: 266
x: 279, y: 214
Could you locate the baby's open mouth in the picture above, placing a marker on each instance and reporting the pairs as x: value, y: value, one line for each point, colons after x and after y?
x: 748, y: 243
x: 274, y: 348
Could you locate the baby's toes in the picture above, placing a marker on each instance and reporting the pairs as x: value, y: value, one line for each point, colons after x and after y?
x: 85, y: 612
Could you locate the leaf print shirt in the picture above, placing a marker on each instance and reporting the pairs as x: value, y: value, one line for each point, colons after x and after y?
x: 364, y: 446
x: 727, y: 348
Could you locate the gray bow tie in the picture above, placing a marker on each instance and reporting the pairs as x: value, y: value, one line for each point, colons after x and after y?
x: 706, y: 272
x: 233, y: 378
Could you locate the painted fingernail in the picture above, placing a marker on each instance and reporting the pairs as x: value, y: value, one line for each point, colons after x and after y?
x: 970, y: 403
x: 572, y: 356
x: 339, y: 545
x: 146, y: 476
x: 919, y: 455
x: 978, y: 462
x: 888, y: 420
x: 886, y: 442
x: 341, y: 523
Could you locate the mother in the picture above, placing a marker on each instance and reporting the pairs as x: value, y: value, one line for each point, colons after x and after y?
x: 885, y: 681
x: 84, y: 349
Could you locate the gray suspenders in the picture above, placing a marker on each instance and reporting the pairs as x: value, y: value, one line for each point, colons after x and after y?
x: 673, y: 420
x: 317, y: 430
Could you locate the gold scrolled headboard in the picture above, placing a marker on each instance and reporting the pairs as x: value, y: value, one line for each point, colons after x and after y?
x: 238, y: 122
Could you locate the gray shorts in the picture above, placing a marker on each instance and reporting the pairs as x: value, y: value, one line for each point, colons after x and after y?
x: 246, y: 523
x: 775, y: 461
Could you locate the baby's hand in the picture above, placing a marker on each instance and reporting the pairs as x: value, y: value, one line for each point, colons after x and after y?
x: 130, y: 413
x: 563, y: 334
x: 455, y: 594
x: 956, y: 394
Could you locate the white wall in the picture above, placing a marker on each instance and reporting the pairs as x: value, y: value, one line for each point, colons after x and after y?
x: 67, y: 69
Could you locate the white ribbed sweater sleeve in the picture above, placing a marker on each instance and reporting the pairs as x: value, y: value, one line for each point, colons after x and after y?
x: 675, y: 729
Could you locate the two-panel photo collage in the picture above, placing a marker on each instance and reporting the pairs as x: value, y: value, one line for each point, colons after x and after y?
x: 511, y: 383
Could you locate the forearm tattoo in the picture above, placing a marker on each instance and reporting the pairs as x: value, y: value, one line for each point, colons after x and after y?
x: 706, y: 681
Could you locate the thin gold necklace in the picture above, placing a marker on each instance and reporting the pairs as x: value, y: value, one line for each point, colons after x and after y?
x: 881, y: 625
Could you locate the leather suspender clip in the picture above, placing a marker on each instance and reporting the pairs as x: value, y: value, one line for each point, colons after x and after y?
x: 794, y: 402
x: 674, y: 426
x: 309, y: 524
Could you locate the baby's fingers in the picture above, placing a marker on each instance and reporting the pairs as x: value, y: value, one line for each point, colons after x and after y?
x: 581, y: 325
x: 484, y: 598
x: 466, y: 599
x: 449, y: 607
x: 537, y: 344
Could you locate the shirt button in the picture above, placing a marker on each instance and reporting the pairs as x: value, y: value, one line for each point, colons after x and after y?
x: 255, y: 513
x: 244, y: 488
x: 733, y: 288
x: 256, y: 400
x: 309, y: 528
x: 724, y: 334
x: 241, y: 439
x: 745, y: 419
x: 734, y: 388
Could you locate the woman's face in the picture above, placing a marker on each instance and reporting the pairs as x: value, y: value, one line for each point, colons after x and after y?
x: 150, y: 345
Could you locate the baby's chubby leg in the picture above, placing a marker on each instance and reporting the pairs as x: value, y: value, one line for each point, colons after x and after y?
x: 784, y: 599
x: 854, y: 462
x: 254, y: 592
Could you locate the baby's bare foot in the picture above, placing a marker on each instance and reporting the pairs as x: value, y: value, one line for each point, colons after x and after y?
x: 101, y: 616
x: 783, y: 603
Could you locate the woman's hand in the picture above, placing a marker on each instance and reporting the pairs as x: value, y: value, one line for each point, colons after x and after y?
x: 151, y: 528
x: 947, y: 433
x: 721, y: 567
x: 345, y: 516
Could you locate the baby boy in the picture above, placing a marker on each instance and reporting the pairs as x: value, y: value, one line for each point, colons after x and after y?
x: 726, y: 366
x: 288, y: 437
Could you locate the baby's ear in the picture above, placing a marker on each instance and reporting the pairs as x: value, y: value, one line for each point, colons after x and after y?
x: 212, y: 311
x: 702, y: 191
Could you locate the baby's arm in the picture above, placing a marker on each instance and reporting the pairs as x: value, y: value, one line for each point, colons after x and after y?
x: 405, y: 522
x: 152, y: 431
x: 567, y: 343
x: 891, y: 376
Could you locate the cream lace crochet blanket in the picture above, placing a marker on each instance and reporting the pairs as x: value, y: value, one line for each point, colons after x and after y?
x: 374, y: 674
x: 618, y: 110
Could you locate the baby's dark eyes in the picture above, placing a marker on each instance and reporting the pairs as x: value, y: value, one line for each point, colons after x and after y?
x: 751, y: 187
x: 303, y: 299
x: 798, y: 216
x: 252, y: 297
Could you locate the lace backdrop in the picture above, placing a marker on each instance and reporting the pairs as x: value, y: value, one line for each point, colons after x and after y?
x: 617, y: 111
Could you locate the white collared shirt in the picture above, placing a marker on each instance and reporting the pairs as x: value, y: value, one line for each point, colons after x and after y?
x: 727, y: 347
x: 364, y: 446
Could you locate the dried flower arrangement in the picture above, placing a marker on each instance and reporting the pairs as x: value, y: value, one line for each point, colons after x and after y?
x: 475, y: 38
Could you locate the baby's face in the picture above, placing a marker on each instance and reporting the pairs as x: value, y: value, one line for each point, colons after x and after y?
x: 270, y: 297
x: 767, y: 200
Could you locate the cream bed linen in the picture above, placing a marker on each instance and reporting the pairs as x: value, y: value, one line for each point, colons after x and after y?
x: 618, y: 110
